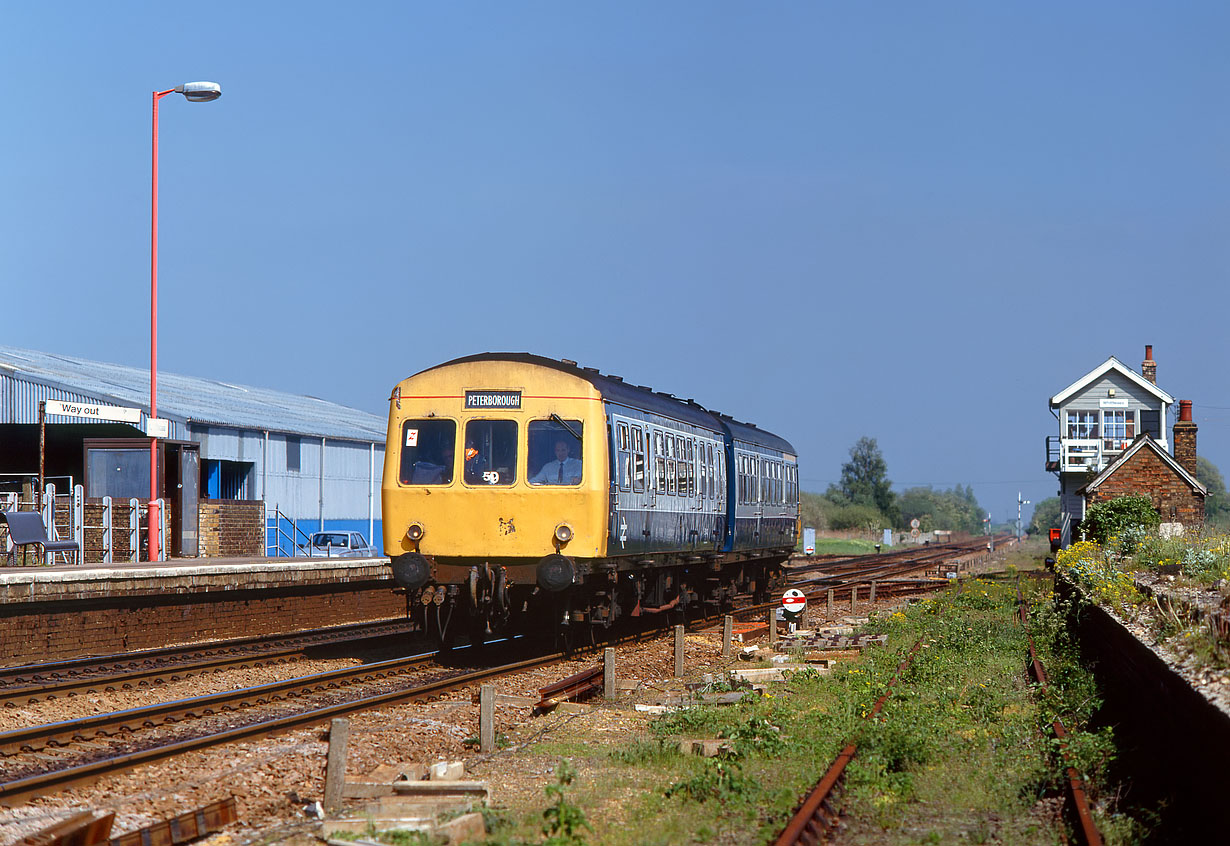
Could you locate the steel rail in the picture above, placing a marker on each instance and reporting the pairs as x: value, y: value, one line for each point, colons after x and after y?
x: 23, y: 789
x: 38, y: 681
x: 1076, y: 787
x: 38, y: 737
x: 812, y: 817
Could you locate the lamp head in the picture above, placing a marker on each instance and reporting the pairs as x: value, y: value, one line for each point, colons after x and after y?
x: 200, y: 92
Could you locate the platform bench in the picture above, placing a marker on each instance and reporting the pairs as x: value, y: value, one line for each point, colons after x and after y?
x: 26, y: 529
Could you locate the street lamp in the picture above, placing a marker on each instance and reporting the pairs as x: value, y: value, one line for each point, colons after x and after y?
x: 194, y: 92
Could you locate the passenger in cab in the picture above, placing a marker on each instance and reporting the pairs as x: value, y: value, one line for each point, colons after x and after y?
x: 564, y: 470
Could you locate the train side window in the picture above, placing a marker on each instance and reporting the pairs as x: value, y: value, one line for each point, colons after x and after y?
x: 712, y: 469
x: 691, y: 478
x: 659, y: 473
x: 625, y: 471
x: 638, y: 472
x: 427, y: 448
x: 555, y: 452
x: 639, y: 442
x: 704, y: 474
x: 670, y: 476
x: 621, y: 430
x: 491, y: 452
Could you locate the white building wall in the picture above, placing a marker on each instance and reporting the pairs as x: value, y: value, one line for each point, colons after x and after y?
x: 346, y: 487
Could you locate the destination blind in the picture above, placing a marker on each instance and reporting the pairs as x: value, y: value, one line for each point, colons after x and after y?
x: 493, y: 399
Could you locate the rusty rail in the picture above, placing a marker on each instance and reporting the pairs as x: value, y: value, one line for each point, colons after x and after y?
x: 572, y: 689
x: 1076, y: 787
x: 813, y: 816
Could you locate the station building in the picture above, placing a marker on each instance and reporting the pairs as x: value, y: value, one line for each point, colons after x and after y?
x: 242, y: 470
x: 1112, y: 442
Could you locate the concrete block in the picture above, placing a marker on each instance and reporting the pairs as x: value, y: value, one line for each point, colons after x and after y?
x: 464, y: 829
x: 446, y: 771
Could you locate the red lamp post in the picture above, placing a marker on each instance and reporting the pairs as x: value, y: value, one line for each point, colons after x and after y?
x: 194, y: 92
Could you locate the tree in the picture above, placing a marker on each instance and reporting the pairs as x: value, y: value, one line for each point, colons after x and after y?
x: 956, y: 510
x: 1045, y: 517
x: 1217, y: 503
x: 864, y: 479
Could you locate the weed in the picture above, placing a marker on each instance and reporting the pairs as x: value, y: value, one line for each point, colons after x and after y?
x: 563, y: 821
x: 722, y: 779
x: 644, y: 752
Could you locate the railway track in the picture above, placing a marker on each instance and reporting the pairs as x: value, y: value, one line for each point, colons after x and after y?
x: 35, y: 682
x: 39, y: 760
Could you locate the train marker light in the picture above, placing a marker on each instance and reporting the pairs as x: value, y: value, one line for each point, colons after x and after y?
x: 563, y: 533
x: 415, y: 532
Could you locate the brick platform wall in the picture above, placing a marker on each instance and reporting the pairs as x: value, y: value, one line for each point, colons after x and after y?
x: 232, y: 528
x: 1145, y: 474
x: 31, y: 632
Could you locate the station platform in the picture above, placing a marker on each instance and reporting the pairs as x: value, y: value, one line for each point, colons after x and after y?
x: 61, y: 612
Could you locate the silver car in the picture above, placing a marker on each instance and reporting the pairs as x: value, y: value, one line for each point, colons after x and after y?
x: 338, y: 545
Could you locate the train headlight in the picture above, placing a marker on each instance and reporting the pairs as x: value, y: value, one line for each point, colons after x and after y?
x: 415, y: 532
x: 563, y: 533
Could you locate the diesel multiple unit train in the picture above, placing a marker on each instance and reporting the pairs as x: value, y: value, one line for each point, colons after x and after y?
x: 525, y: 493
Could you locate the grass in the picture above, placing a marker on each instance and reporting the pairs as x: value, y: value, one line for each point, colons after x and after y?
x: 962, y: 751
x: 843, y: 546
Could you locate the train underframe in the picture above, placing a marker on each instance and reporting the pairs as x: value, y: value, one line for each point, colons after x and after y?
x: 570, y: 599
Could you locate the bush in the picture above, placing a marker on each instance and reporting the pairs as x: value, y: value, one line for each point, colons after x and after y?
x: 1109, y: 519
x: 857, y: 517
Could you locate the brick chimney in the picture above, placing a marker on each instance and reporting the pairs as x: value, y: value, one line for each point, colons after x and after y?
x: 1185, y: 438
x: 1148, y: 367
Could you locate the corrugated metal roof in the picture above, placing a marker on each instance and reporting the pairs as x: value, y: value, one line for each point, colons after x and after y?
x: 196, y: 400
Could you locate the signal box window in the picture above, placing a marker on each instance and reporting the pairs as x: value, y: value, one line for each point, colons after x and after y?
x: 1118, y: 430
x: 491, y: 452
x: 555, y: 452
x: 1083, y: 425
x: 427, y: 448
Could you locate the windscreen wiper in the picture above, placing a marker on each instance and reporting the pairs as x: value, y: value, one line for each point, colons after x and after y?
x: 560, y: 421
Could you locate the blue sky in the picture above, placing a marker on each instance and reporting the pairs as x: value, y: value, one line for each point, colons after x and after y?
x: 912, y: 221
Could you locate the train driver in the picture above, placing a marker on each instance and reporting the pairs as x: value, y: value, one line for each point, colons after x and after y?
x: 564, y: 470
x: 427, y: 473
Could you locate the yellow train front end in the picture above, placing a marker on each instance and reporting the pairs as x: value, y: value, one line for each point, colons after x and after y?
x: 495, y: 488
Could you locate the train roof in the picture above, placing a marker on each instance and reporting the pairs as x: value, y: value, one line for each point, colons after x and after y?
x: 615, y: 389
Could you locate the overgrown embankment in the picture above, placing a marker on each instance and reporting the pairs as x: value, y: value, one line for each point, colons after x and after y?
x: 961, y: 751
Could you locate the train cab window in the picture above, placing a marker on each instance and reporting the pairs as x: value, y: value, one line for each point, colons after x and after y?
x: 491, y: 452
x: 555, y: 452
x: 427, y: 448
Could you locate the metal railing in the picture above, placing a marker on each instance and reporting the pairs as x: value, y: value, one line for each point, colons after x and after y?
x: 64, y: 517
x: 278, y: 528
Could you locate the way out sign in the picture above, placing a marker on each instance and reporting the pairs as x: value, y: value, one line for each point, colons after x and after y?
x: 793, y: 603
